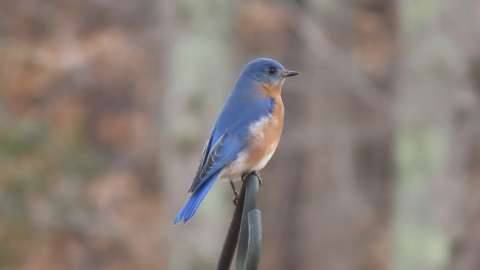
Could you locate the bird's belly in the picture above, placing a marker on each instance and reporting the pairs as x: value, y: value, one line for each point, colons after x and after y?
x: 263, y: 141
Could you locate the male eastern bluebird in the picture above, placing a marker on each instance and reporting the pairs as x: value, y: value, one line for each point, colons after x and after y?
x: 246, y: 133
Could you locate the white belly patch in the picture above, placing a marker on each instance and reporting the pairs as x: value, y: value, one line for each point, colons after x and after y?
x: 257, y: 129
x: 265, y: 160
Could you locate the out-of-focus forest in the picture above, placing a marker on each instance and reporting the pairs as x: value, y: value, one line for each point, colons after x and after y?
x: 105, y: 105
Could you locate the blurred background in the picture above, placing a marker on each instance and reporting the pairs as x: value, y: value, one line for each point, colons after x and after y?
x: 105, y: 105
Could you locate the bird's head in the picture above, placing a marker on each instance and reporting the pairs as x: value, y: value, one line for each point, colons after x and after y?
x: 268, y: 72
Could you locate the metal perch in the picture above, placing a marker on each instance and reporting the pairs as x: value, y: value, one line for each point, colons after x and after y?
x: 245, y: 229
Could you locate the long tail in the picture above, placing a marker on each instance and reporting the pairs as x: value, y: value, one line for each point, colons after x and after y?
x: 189, y: 209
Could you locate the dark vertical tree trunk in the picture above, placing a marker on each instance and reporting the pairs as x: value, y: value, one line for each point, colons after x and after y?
x: 327, y: 192
x: 465, y: 151
x: 463, y: 162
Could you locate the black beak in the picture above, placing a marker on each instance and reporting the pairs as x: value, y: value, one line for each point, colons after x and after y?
x: 289, y: 73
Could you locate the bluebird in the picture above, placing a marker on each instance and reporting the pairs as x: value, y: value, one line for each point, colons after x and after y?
x: 245, y: 135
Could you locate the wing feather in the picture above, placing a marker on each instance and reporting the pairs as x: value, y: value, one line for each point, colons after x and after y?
x: 224, y: 151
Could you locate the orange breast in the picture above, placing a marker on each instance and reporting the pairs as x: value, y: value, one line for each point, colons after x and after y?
x: 265, y: 137
x: 263, y: 141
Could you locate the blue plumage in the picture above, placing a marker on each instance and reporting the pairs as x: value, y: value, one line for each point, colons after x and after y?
x: 245, y: 105
x: 189, y: 209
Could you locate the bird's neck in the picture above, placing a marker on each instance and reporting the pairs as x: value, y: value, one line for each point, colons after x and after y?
x: 264, y: 95
x: 273, y: 91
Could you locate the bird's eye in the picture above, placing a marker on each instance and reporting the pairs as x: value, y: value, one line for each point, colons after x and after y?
x: 272, y: 70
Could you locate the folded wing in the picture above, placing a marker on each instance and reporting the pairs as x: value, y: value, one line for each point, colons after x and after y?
x: 217, y: 156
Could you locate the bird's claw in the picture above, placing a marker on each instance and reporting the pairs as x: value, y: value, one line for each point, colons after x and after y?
x: 246, y: 175
x: 236, y: 198
x: 236, y: 195
x: 260, y: 180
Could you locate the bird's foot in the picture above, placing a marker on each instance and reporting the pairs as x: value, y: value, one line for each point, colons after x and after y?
x: 236, y: 195
x: 260, y: 179
x: 236, y: 199
x: 246, y: 175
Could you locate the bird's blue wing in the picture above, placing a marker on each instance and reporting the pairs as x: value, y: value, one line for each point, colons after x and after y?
x: 217, y: 156
x: 230, y: 132
x: 205, y: 152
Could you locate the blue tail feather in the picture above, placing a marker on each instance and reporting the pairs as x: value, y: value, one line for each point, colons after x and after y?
x: 189, y: 209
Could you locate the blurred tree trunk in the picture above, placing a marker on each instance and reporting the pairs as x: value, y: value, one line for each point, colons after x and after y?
x: 327, y: 192
x: 90, y: 80
x: 465, y: 165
